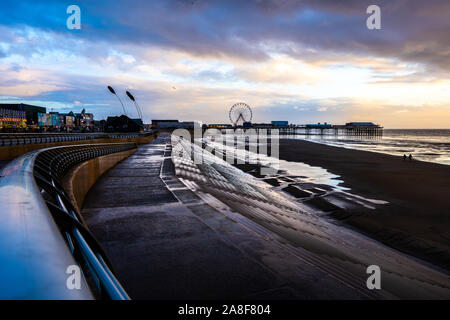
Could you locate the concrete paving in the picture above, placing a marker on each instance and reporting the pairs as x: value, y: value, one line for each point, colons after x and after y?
x: 166, y: 243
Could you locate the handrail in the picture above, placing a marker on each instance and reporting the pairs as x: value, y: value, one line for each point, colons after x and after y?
x: 41, y: 232
x: 12, y: 139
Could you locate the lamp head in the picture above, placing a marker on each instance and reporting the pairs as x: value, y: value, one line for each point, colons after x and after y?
x: 111, y: 89
x: 130, y: 96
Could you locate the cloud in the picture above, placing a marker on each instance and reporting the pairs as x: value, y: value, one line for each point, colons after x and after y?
x: 411, y: 30
x: 303, y: 58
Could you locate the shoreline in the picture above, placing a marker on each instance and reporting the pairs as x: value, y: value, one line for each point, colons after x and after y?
x: 419, y: 154
x: 417, y: 218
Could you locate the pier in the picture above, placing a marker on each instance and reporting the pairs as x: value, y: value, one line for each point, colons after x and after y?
x: 349, y: 129
x: 368, y: 129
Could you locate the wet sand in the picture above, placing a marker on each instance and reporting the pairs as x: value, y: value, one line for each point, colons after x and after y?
x: 417, y: 218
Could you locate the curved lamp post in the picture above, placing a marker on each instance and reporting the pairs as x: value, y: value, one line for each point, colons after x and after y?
x: 135, y: 103
x: 114, y: 93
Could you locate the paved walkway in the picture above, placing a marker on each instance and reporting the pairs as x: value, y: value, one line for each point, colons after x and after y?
x: 166, y: 243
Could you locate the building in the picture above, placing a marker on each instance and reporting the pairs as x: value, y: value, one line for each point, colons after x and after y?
x: 363, y: 128
x: 121, y: 124
x: 12, y: 120
x: 99, y: 126
x: 318, y: 126
x: 21, y: 117
x: 263, y: 125
x: 280, y: 123
x: 67, y: 121
x: 84, y: 121
x: 50, y: 121
x: 361, y: 124
x: 31, y: 112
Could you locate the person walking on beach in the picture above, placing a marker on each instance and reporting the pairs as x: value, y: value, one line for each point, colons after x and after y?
x: 404, y: 157
x: 410, y: 157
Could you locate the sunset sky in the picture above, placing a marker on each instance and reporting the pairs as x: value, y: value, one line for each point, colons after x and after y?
x: 302, y: 61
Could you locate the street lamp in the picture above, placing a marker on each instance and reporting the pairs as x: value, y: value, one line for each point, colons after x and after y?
x: 136, y: 104
x: 114, y: 93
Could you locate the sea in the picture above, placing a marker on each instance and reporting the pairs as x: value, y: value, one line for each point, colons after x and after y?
x: 432, y: 145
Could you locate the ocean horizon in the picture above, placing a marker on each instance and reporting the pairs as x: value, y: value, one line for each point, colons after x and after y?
x: 431, y: 145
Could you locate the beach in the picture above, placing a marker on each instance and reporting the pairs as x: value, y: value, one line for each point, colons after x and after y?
x: 417, y: 218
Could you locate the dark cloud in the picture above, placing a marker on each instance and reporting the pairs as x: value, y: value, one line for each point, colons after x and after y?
x: 240, y: 28
x: 414, y: 30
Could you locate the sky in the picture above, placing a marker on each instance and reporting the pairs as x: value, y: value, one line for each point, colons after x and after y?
x: 302, y: 61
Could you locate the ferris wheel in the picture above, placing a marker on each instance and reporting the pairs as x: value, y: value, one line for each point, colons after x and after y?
x: 239, y: 113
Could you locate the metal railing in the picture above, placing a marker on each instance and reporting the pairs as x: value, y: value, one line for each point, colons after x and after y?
x: 42, y: 234
x: 14, y: 139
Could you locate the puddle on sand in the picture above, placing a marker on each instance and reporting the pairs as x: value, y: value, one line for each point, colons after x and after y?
x: 307, y: 173
x: 312, y: 174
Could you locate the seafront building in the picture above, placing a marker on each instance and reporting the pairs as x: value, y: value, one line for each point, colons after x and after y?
x: 12, y: 119
x: 13, y: 116
x: 26, y: 117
